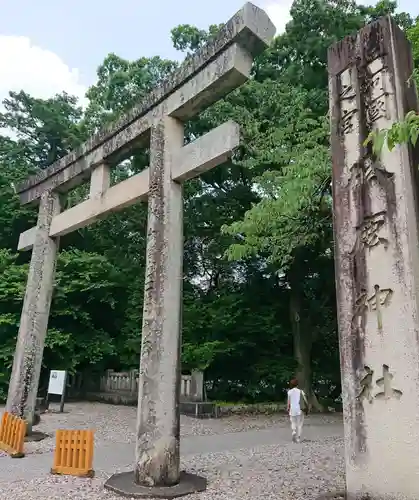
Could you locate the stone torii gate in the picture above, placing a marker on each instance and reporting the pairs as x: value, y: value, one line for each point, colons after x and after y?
x: 219, y: 67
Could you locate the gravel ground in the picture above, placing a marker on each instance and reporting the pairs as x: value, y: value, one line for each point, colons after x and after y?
x: 117, y: 423
x: 287, y: 471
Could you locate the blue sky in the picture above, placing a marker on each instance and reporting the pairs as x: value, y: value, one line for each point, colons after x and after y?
x: 130, y: 28
x: 49, y: 46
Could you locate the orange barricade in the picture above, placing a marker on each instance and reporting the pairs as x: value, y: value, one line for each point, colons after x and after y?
x: 12, y: 435
x: 73, y: 454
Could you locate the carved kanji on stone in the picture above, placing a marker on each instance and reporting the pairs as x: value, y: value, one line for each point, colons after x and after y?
x: 370, y: 230
x: 375, y: 218
x: 367, y: 170
x: 348, y: 93
x: 349, y: 110
x: 363, y: 171
x: 359, y: 308
x: 367, y: 389
x: 385, y: 382
x: 347, y: 124
x: 366, y: 385
x: 380, y: 297
x: 376, y: 110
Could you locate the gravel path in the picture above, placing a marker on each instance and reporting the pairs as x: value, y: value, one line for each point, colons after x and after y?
x: 282, y: 470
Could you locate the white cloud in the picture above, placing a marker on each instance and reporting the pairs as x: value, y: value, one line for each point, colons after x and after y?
x: 39, y: 72
x: 278, y: 11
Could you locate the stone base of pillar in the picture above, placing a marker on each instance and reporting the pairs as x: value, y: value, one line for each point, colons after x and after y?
x: 198, y: 409
x: 35, y: 436
x: 341, y: 495
x: 333, y: 495
x: 123, y: 484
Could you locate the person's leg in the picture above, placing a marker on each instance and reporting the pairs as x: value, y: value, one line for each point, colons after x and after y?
x: 294, y: 422
x: 300, y: 426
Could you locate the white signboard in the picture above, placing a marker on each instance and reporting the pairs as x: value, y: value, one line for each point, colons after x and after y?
x: 57, y: 380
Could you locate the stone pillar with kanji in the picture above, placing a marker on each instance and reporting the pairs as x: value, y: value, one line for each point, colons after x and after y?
x: 377, y: 263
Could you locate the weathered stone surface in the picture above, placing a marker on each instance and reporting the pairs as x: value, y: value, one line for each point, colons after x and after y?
x: 230, y: 69
x: 35, y: 436
x: 26, y: 239
x: 100, y: 180
x: 377, y: 263
x: 226, y: 57
x: 206, y: 152
x: 197, y: 385
x: 124, y: 484
x: 198, y: 409
x: 122, y: 195
x: 157, y: 453
x: 333, y: 495
x: 27, y: 362
x: 224, y: 64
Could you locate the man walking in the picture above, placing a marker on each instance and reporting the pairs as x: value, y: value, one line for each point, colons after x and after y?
x: 297, y: 405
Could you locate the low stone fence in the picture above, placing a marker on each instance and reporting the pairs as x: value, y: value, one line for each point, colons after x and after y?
x: 128, y: 382
x: 122, y: 387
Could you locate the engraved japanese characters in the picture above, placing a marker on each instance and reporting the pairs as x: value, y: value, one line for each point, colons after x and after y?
x: 384, y: 382
x: 364, y: 102
x: 376, y: 236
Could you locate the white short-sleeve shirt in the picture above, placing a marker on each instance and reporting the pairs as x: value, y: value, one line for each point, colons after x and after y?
x: 294, y: 400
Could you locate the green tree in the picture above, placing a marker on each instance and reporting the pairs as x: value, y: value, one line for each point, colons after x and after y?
x: 82, y: 329
x: 188, y: 39
x: 121, y: 84
x: 413, y: 35
x: 252, y: 320
x: 46, y: 129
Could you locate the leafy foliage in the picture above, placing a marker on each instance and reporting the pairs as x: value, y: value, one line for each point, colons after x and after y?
x: 259, y: 298
x: 407, y: 130
x: 403, y: 132
x: 46, y: 130
x: 122, y: 84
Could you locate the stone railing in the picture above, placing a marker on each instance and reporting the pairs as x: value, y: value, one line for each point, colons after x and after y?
x: 126, y: 383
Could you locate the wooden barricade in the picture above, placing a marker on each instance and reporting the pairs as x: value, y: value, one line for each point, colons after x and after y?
x: 73, y: 454
x: 12, y: 435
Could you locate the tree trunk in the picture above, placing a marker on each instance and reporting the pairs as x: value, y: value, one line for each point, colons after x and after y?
x: 302, y: 348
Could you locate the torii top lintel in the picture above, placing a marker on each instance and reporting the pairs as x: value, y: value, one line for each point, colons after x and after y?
x: 214, y: 70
